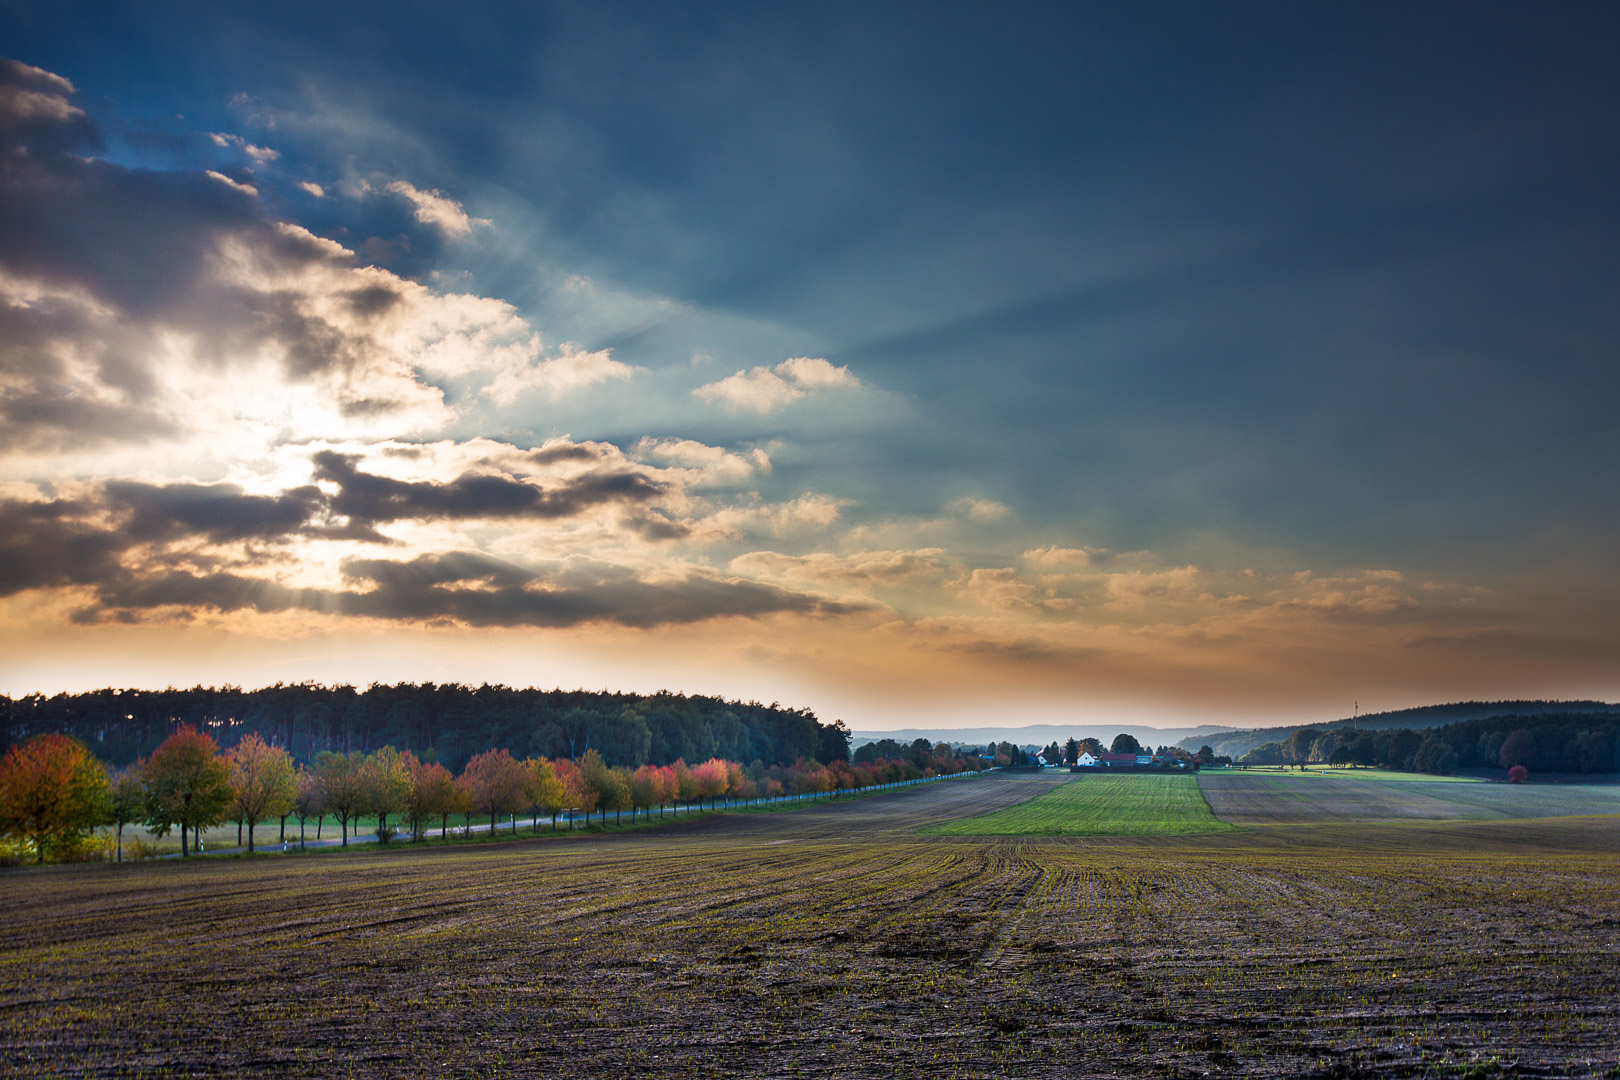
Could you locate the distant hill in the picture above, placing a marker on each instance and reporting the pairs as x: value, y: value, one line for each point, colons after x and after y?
x: 1236, y: 743
x: 1038, y: 735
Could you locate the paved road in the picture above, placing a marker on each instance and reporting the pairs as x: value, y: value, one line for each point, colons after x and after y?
x: 671, y: 813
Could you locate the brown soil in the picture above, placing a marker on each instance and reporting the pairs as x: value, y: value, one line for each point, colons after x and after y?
x: 834, y: 942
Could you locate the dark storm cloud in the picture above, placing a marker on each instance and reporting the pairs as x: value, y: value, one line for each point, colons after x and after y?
x: 656, y: 527
x: 414, y: 591
x: 551, y: 455
x: 427, y: 571
x: 133, y: 546
x: 489, y: 593
x: 218, y: 513
x: 46, y: 545
x: 368, y: 499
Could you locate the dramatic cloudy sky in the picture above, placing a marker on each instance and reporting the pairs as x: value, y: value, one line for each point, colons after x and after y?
x: 938, y: 364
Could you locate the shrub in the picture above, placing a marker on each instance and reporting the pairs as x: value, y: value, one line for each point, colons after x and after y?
x: 1517, y: 774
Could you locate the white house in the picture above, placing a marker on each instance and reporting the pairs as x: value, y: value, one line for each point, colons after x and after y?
x: 1087, y: 759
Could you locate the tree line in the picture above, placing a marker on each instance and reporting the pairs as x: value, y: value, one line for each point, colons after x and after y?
x: 1573, y: 742
x: 1238, y: 743
x: 448, y: 722
x: 54, y: 792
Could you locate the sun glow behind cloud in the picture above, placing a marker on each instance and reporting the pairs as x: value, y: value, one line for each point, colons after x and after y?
x: 257, y: 437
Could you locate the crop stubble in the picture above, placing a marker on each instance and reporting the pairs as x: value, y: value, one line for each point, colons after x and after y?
x: 833, y: 941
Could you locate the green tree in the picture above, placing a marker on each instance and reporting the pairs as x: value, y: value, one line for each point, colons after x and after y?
x: 1296, y: 749
x: 622, y: 739
x: 834, y: 743
x: 1125, y: 743
x: 187, y: 784
x: 126, y: 804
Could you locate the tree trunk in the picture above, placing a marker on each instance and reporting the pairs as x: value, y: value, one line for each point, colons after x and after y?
x: 344, y: 822
x: 250, y: 825
x: 183, y: 851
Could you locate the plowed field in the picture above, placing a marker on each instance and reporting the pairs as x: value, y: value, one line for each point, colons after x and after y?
x: 1276, y: 798
x: 835, y: 942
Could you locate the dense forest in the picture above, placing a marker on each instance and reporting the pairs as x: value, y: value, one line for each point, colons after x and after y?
x: 1559, y: 742
x: 1236, y: 744
x: 446, y: 722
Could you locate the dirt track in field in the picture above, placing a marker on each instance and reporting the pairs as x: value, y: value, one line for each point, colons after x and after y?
x: 834, y: 942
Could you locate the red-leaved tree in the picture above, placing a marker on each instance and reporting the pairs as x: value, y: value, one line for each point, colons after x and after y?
x: 51, y: 791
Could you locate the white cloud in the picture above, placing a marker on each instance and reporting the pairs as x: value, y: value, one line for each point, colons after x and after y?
x: 246, y: 189
x: 978, y: 509
x: 715, y: 465
x: 261, y: 155
x: 44, y: 100
x: 571, y: 369
x: 437, y: 209
x: 764, y: 389
x: 1052, y: 557
x: 313, y: 188
x: 813, y: 512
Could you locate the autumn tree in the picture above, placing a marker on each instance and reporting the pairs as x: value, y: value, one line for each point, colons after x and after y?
x: 433, y: 795
x: 52, y: 792
x: 1516, y: 748
x: 187, y: 784
x: 545, y: 790
x: 307, y: 803
x: 385, y: 786
x: 581, y: 795
x: 612, y: 787
x: 652, y: 785
x: 264, y: 783
x: 712, y: 779
x: 686, y: 783
x: 494, y: 783
x: 341, y: 786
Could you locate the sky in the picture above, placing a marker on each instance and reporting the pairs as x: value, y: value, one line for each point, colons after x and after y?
x: 918, y: 364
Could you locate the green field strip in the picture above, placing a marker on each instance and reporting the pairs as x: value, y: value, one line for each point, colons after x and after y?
x: 1133, y: 804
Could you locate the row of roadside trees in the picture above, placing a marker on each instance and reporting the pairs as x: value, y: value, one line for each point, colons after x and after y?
x: 54, y: 793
